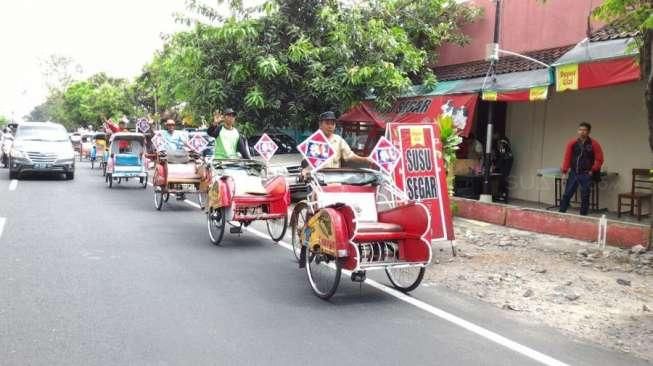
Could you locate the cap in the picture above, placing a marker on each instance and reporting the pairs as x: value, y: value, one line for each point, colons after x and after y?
x: 228, y: 111
x: 328, y: 115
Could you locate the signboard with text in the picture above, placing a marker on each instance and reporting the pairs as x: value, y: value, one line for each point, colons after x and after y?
x: 421, y: 173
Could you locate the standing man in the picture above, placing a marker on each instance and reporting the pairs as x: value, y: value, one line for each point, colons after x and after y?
x: 583, y: 159
x: 342, y: 149
x: 228, y: 142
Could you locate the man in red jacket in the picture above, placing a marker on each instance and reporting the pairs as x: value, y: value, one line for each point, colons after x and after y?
x: 583, y: 159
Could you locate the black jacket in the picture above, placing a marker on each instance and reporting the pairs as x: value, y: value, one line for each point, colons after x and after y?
x: 243, y: 149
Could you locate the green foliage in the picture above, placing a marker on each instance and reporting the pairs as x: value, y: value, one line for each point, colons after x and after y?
x: 284, y: 62
x: 3, y: 120
x: 450, y: 144
x: 637, y: 14
x: 279, y: 64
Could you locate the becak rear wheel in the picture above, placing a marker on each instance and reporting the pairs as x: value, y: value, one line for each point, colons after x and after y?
x: 216, y: 222
x: 277, y: 228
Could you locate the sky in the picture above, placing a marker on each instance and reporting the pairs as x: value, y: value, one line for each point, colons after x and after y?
x: 116, y: 36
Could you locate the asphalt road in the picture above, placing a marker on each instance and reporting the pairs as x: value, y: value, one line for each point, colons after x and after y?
x: 95, y: 276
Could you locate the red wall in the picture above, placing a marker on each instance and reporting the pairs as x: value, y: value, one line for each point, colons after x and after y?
x: 526, y: 25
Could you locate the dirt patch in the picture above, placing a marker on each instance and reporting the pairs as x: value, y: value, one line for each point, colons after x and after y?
x: 601, y: 295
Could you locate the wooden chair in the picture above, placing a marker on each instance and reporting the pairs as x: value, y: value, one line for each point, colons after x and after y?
x: 641, y: 191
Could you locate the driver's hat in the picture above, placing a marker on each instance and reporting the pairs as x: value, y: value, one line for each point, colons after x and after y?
x: 328, y: 116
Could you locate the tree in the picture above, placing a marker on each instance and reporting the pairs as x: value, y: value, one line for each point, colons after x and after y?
x: 59, y: 71
x: 636, y: 14
x: 3, y: 120
x: 286, y: 61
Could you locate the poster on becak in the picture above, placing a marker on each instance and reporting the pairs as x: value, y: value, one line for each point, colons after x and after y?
x: 421, y: 173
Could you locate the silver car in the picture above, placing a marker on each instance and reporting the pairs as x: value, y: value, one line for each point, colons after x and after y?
x: 286, y: 161
x: 41, y: 147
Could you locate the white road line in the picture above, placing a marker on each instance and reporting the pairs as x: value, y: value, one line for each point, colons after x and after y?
x: 13, y: 184
x: 2, y: 225
x: 469, y: 326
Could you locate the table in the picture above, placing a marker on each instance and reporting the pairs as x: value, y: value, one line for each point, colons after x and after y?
x: 559, y: 189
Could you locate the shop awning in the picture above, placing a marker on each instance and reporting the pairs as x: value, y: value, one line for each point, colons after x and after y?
x: 363, y: 112
x: 596, y: 64
x: 417, y: 109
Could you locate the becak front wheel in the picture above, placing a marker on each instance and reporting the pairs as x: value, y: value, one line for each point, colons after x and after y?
x: 323, y: 272
x: 298, y: 220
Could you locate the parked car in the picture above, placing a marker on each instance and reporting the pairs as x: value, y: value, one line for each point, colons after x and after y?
x: 41, y: 147
x: 286, y: 161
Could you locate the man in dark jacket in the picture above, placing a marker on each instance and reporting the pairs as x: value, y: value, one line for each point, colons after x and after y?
x: 228, y: 142
x: 583, y: 159
x: 502, y: 160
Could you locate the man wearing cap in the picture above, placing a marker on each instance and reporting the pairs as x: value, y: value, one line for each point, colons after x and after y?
x: 228, y: 142
x: 340, y: 146
x: 172, y: 138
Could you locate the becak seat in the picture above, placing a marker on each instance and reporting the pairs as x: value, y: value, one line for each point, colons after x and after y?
x: 178, y: 172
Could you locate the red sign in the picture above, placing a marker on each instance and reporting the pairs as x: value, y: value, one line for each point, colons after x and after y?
x: 421, y: 173
x: 316, y: 149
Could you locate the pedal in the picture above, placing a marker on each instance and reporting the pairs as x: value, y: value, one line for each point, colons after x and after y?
x: 358, y: 276
x: 236, y: 230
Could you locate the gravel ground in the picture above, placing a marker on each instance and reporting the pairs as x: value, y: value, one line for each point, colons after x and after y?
x: 600, y: 295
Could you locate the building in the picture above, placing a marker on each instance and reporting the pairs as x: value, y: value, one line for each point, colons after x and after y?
x: 558, y: 33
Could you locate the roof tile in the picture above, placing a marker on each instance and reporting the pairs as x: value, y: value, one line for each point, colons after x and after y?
x: 505, y: 65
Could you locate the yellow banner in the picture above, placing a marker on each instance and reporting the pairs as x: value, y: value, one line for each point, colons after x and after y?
x: 538, y: 93
x: 489, y: 95
x: 416, y: 136
x: 567, y: 77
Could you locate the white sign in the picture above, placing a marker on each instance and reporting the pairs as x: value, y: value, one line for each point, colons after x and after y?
x: 143, y: 125
x: 198, y: 143
x: 158, y: 141
x: 385, y: 155
x: 266, y: 147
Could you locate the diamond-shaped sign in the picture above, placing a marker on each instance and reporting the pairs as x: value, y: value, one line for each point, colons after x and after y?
x: 316, y: 149
x: 157, y: 141
x: 266, y: 147
x: 143, y: 125
x: 198, y: 143
x: 385, y: 155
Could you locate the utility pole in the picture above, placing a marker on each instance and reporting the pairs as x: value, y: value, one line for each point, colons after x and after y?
x: 487, y: 191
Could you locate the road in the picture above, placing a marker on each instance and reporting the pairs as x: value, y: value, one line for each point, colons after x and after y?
x: 95, y: 276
